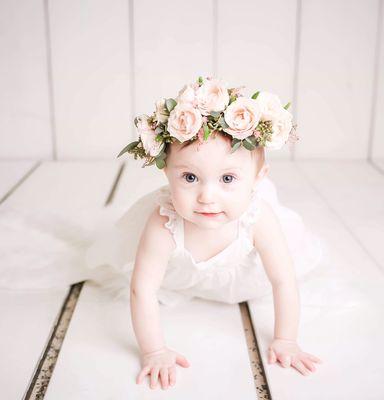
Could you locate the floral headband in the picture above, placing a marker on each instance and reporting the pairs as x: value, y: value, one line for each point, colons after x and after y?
x: 208, y: 106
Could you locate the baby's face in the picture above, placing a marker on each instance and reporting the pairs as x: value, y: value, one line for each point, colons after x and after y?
x: 211, y: 186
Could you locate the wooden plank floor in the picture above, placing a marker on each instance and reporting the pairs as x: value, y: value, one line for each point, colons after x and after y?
x: 342, y: 201
x: 216, y: 347
x: 99, y: 358
x: 28, y: 316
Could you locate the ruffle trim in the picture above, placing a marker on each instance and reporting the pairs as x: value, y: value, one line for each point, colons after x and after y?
x: 163, y: 199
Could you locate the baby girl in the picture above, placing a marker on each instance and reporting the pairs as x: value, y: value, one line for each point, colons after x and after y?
x: 210, y: 142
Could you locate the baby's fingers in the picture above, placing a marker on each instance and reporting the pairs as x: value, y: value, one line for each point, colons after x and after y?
x: 182, y: 361
x: 164, y: 377
x: 142, y: 374
x: 271, y: 356
x: 312, y: 358
x: 172, y: 375
x: 285, y: 361
x: 154, y: 376
x: 300, y: 367
x: 308, y: 364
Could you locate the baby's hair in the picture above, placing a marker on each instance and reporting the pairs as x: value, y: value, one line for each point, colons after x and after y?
x: 258, y: 152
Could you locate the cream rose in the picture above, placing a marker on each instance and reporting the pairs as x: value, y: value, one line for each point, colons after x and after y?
x: 281, y: 125
x: 212, y: 95
x: 270, y: 106
x: 184, y: 122
x: 187, y: 95
x: 161, y: 111
x: 242, y: 117
x: 147, y: 136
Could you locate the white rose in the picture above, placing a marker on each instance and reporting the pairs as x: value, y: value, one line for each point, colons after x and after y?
x: 212, y: 95
x: 161, y: 111
x: 270, y: 106
x: 281, y: 125
x: 187, y: 95
x: 147, y: 136
x: 184, y: 122
x: 242, y: 117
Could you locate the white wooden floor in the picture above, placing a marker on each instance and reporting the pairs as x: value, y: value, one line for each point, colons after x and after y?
x: 342, y: 201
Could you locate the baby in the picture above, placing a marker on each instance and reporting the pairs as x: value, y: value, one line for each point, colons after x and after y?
x: 212, y: 185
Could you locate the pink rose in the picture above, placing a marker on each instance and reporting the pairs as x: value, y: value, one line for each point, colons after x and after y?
x: 147, y: 136
x: 187, y: 95
x: 161, y: 111
x: 184, y: 122
x: 212, y: 95
x: 270, y: 106
x: 242, y: 117
x: 281, y: 125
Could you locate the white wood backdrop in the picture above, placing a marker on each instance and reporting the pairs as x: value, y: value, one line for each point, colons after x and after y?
x: 74, y: 73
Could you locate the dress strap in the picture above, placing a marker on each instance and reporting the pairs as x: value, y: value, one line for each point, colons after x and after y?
x: 174, y: 224
x: 250, y: 216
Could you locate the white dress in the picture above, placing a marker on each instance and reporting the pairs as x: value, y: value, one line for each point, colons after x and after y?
x: 53, y: 250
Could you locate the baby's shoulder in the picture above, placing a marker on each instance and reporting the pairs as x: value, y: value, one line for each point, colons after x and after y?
x: 267, y: 226
x: 156, y: 231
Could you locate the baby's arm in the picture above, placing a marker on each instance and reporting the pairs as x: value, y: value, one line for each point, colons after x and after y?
x: 155, y: 246
x: 272, y: 246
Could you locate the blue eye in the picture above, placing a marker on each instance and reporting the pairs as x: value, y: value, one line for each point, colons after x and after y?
x: 190, y: 178
x: 228, y: 178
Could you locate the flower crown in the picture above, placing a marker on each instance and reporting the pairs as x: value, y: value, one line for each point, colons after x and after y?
x: 208, y: 106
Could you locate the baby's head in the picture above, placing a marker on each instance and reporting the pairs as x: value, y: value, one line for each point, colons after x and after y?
x: 207, y: 178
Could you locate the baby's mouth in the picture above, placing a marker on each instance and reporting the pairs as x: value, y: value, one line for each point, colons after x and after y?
x: 209, y: 214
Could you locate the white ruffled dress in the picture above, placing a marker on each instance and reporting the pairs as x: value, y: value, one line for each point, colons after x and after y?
x: 51, y: 250
x: 233, y: 275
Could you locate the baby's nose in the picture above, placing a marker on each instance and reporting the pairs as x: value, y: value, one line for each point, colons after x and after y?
x: 206, y: 194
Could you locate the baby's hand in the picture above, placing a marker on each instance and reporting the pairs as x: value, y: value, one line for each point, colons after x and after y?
x: 288, y: 352
x: 164, y: 362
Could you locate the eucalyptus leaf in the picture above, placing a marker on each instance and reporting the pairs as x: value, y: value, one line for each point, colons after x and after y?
x: 130, y: 146
x: 160, y: 163
x: 222, y: 123
x: 170, y: 104
x: 215, y: 114
x: 254, y: 96
x: 236, y: 146
x: 248, y: 145
x: 206, y: 131
x: 159, y: 129
x: 287, y: 105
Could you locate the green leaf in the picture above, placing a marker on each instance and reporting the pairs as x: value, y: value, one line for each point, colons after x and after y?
x: 162, y: 155
x: 170, y: 104
x: 287, y: 106
x: 159, y: 129
x: 206, y: 132
x: 215, y: 114
x: 236, y: 146
x: 160, y: 163
x: 254, y: 96
x: 248, y: 145
x: 130, y: 146
x: 252, y: 139
x: 200, y: 80
x: 232, y: 99
x: 222, y: 123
